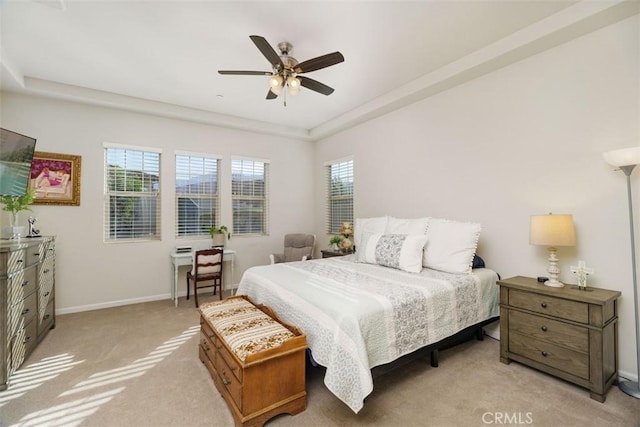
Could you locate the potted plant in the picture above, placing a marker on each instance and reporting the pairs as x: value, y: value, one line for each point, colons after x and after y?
x: 15, y: 204
x: 334, y: 242
x: 219, y: 235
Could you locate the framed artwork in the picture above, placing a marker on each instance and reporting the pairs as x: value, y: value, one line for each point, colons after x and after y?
x: 55, y: 179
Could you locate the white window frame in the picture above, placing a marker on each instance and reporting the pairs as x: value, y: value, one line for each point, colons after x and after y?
x: 237, y: 197
x: 197, y: 193
x: 344, y: 170
x: 150, y: 194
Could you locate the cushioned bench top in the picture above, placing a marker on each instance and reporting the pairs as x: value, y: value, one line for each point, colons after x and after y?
x: 245, y: 328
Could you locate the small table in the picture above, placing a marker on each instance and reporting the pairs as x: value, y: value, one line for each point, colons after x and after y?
x: 328, y: 253
x: 186, y: 258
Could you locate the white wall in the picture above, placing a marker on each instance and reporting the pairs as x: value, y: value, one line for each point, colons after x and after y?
x: 92, y: 274
x: 527, y: 139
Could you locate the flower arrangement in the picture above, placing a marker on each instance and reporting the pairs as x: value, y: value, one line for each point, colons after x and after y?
x: 220, y: 230
x: 15, y: 204
x: 346, y: 230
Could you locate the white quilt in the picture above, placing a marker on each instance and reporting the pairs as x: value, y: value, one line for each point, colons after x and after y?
x: 357, y: 316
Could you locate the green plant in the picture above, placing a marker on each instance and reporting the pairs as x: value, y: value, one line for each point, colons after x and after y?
x: 18, y: 203
x: 220, y: 230
x: 335, y: 240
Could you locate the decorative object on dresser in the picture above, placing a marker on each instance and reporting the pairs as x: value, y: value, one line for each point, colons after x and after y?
x: 257, y: 362
x: 552, y: 231
x: 565, y: 332
x: 328, y: 253
x: 582, y: 271
x: 27, y: 309
x: 627, y: 159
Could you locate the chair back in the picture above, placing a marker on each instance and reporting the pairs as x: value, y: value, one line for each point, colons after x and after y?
x: 207, y: 262
x: 298, y: 245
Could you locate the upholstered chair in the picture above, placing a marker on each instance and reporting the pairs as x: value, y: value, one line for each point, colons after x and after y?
x: 297, y: 247
x: 207, y: 267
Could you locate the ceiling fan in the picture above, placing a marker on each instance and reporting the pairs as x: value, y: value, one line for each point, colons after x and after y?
x: 287, y: 70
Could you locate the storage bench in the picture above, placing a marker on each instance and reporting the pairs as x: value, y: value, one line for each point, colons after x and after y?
x: 257, y: 362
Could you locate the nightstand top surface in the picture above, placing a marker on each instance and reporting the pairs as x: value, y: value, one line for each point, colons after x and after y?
x: 592, y: 295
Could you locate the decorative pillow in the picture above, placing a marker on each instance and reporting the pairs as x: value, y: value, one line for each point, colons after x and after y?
x: 451, y: 245
x: 368, y: 225
x: 407, y: 226
x: 401, y: 251
x: 205, y: 259
x: 477, y: 262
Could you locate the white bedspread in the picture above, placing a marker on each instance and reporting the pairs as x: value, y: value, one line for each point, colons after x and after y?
x: 357, y: 316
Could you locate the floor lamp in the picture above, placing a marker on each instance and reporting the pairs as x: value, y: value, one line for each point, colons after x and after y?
x: 626, y: 159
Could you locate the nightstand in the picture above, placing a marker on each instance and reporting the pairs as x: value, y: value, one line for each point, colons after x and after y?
x: 565, y: 332
x: 328, y: 253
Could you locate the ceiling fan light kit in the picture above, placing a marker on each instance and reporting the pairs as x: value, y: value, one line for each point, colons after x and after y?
x: 287, y: 71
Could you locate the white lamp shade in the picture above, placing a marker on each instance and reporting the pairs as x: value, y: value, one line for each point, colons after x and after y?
x: 623, y: 157
x: 552, y: 230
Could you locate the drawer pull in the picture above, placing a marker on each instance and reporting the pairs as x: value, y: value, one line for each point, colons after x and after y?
x: 25, y: 311
x: 544, y: 354
x: 26, y: 340
x: 25, y: 283
x: 46, y: 271
x: 20, y: 261
x: 544, y: 329
x: 543, y: 305
x: 46, y: 316
x: 37, y: 254
x: 225, y: 381
x: 47, y: 294
x: 205, y: 346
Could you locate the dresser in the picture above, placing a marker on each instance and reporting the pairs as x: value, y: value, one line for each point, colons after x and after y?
x: 565, y: 332
x: 27, y: 291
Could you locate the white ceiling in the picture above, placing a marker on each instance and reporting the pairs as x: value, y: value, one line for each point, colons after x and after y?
x: 162, y: 57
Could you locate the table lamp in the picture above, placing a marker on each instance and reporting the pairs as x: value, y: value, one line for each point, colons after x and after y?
x: 626, y: 160
x: 552, y: 231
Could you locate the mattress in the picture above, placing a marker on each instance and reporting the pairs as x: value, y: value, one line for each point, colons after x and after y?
x: 357, y: 316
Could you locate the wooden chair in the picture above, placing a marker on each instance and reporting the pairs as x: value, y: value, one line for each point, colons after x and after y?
x: 207, y: 266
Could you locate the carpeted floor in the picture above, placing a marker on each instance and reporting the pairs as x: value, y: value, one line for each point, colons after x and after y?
x: 137, y: 366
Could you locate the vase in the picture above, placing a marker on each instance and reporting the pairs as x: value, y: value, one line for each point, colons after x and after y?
x: 16, y: 230
x: 218, y: 240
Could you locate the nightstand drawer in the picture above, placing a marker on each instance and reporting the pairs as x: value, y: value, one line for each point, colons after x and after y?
x: 562, y: 334
x: 557, y: 307
x: 555, y: 356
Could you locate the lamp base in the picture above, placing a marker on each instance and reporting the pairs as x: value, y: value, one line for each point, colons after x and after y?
x: 631, y: 388
x: 554, y: 283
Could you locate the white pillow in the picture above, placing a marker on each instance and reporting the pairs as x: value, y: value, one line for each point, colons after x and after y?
x: 451, y: 245
x: 368, y: 225
x: 406, y: 226
x: 205, y: 259
x: 401, y: 251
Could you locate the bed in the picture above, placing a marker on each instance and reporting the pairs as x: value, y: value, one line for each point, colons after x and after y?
x: 358, y: 315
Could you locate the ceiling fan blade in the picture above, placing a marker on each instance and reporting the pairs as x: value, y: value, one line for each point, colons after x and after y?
x: 320, y: 62
x: 271, y: 95
x: 315, y: 85
x: 245, y: 73
x: 263, y: 45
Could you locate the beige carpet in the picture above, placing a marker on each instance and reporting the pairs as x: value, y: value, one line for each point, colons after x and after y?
x: 138, y: 366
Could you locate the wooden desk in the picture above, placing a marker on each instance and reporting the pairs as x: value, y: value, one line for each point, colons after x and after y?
x: 185, y: 259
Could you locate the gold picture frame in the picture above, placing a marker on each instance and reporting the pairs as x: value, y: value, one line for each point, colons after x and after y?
x: 55, y: 179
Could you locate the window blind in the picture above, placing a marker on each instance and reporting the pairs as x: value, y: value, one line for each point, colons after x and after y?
x: 132, y: 195
x: 340, y: 191
x: 197, y: 195
x: 249, y: 192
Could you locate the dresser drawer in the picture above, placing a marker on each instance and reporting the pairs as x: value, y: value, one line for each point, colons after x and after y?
x: 557, y: 307
x: 562, y: 334
x: 229, y: 380
x: 20, y: 285
x: 46, y: 320
x: 230, y: 361
x: 16, y: 260
x: 21, y: 313
x: 555, y: 356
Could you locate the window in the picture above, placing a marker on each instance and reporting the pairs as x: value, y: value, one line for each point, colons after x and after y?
x: 340, y: 191
x: 132, y: 194
x: 249, y: 191
x: 197, y: 194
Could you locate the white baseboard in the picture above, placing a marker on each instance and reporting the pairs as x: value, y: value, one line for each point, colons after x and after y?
x: 109, y: 304
x: 89, y: 307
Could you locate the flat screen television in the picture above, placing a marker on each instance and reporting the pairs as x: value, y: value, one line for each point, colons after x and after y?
x: 16, y: 154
